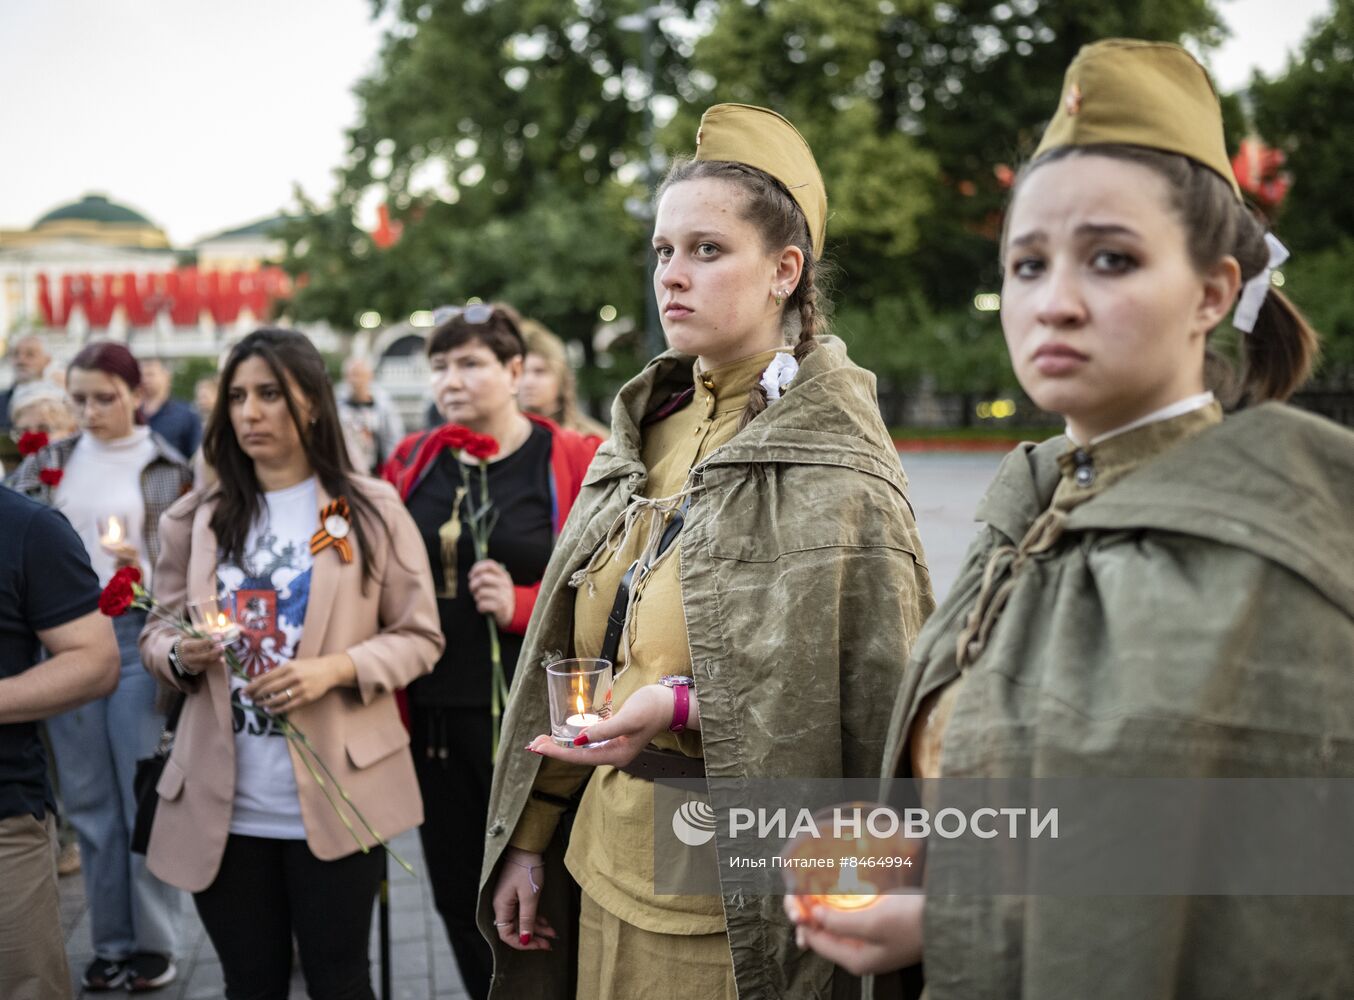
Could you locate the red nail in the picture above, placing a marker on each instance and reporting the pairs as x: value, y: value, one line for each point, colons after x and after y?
x: 536, y: 752
x: 524, y: 939
x: 581, y: 740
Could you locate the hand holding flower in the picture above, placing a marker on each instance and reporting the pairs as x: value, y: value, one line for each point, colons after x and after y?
x: 300, y: 682
x: 491, y: 588
x: 307, y: 679
x: 198, y: 655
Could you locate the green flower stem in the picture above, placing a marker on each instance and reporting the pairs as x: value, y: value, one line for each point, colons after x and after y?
x: 305, y: 749
x: 293, y: 733
x: 481, y: 525
x: 497, y: 698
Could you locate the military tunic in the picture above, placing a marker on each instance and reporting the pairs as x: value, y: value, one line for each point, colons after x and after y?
x: 799, y: 539
x: 1191, y: 616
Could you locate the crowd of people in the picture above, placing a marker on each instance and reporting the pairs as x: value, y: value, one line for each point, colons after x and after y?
x: 740, y: 545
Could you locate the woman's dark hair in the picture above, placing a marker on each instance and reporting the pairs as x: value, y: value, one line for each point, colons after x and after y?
x: 770, y: 207
x: 1278, y: 355
x: 501, y: 332
x: 113, y: 359
x: 296, y: 365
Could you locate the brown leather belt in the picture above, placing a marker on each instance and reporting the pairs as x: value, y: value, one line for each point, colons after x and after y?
x: 657, y: 765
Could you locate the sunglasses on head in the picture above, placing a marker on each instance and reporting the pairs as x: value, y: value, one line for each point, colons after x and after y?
x: 475, y: 314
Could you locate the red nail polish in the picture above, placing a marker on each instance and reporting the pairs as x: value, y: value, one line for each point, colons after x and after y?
x: 581, y: 740
x: 524, y: 939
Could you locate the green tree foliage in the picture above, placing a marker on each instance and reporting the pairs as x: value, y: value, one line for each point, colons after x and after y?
x: 913, y: 108
x: 509, y: 136
x: 505, y: 138
x: 1306, y: 113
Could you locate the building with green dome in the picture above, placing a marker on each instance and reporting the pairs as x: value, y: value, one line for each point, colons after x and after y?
x: 94, y: 219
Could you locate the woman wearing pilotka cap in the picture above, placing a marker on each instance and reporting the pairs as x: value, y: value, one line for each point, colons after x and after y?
x: 1159, y: 593
x: 779, y: 611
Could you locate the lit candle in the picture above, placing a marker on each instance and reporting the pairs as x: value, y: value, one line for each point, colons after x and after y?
x: 850, y: 893
x: 114, y: 531
x: 224, y: 629
x: 576, y: 687
x: 582, y: 719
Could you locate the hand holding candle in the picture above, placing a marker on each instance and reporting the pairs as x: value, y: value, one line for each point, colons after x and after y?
x: 114, y: 539
x: 856, y: 855
x: 853, y: 889
x: 617, y: 737
x: 112, y: 532
x: 208, y: 617
x: 580, y: 690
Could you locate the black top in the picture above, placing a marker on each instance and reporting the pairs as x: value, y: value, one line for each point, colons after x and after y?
x: 179, y: 424
x: 519, y: 491
x: 45, y: 581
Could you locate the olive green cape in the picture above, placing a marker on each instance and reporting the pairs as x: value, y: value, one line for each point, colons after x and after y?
x: 1195, y: 619
x: 804, y: 587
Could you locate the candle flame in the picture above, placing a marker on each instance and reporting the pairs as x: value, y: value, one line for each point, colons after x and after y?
x: 851, y: 892
x: 114, y: 530
x: 221, y: 620
x: 579, y: 701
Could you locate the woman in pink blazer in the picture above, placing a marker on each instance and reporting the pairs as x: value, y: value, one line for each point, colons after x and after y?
x: 325, y: 574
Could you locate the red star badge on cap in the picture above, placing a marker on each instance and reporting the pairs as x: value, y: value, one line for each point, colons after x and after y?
x: 1073, y: 100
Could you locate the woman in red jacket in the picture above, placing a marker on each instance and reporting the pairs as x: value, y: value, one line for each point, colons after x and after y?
x: 477, y: 355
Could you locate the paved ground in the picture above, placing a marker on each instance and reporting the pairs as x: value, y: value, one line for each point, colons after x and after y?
x: 421, y: 967
x: 945, y: 489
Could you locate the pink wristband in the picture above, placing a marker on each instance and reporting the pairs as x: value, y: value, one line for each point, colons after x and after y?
x: 681, y: 707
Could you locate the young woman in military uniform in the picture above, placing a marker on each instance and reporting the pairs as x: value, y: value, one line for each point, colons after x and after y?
x: 1161, y: 592
x: 796, y: 578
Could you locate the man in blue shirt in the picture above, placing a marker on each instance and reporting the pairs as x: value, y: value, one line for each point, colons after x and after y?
x: 49, y: 597
x: 176, y: 422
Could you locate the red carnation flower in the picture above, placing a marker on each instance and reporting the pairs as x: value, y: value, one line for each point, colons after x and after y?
x: 50, y: 477
x: 457, y: 436
x: 481, y: 447
x: 116, y: 597
x: 32, y: 441
x: 128, y: 573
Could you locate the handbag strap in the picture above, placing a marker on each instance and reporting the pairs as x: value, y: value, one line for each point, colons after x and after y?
x: 175, y: 710
x: 615, y: 621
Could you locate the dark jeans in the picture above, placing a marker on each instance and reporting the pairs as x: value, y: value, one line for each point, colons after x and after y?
x: 269, y: 890
x: 451, y: 756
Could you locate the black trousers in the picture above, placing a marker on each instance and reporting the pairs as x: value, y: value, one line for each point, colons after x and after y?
x: 451, y: 757
x: 271, y: 890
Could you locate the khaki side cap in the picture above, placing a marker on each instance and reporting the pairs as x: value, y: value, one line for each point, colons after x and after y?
x: 758, y: 137
x: 1123, y: 91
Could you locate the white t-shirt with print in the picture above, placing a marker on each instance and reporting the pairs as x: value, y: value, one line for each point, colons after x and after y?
x: 267, y: 597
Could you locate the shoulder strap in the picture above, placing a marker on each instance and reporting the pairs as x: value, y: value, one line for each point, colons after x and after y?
x: 615, y: 621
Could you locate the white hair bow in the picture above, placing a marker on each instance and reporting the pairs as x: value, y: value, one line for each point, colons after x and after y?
x: 1254, y: 292
x: 778, y: 375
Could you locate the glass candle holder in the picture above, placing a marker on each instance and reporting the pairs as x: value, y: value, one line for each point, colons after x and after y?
x: 857, y: 855
x: 207, y: 616
x: 580, y: 695
x: 112, y: 530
